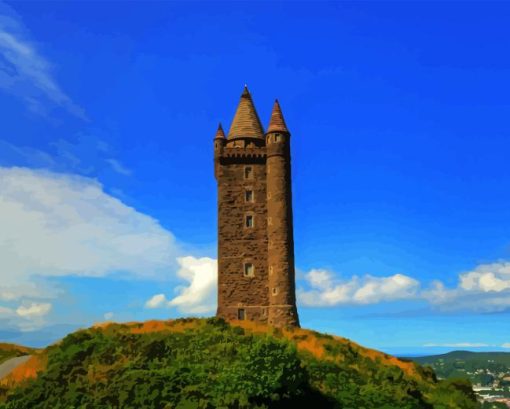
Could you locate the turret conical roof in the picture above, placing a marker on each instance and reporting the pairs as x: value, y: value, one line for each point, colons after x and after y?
x: 246, y: 122
x: 277, y: 123
x: 219, y: 133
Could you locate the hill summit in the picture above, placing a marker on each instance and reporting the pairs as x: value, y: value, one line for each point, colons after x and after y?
x: 209, y: 363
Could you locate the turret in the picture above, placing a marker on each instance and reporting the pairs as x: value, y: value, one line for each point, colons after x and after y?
x: 281, y: 274
x: 219, y: 144
x: 219, y: 139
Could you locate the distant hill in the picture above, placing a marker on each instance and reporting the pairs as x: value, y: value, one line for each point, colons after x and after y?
x: 486, y: 369
x: 208, y: 363
x: 501, y: 357
x: 8, y: 351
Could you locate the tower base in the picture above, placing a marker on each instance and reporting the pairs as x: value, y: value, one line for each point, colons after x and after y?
x: 283, y: 316
x: 243, y: 312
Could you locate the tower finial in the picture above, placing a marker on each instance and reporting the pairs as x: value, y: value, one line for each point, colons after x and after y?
x: 246, y: 92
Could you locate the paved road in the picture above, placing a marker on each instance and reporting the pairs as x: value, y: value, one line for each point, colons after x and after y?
x: 7, y: 367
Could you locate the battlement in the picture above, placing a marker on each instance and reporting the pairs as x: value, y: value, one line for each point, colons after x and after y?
x: 236, y: 152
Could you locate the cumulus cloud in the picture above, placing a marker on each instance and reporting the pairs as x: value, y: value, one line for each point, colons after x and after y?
x: 33, y: 310
x: 59, y: 225
x: 486, y: 288
x: 494, y: 277
x: 25, y: 72
x: 26, y: 317
x: 199, y: 296
x: 325, y: 290
x: 156, y: 301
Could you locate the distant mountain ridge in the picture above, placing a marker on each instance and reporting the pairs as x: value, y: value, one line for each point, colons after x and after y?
x: 503, y: 357
x: 489, y: 372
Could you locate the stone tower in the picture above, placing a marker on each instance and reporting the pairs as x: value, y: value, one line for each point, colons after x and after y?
x: 255, y: 233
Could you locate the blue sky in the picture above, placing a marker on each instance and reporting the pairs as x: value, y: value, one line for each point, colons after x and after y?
x: 399, y: 117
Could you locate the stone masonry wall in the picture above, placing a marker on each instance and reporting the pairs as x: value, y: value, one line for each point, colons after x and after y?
x: 238, y: 244
x: 281, y: 275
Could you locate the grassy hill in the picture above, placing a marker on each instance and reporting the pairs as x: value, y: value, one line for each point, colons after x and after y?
x: 8, y: 351
x: 207, y: 363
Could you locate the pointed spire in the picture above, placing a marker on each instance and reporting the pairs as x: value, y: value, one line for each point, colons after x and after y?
x: 219, y: 133
x: 246, y: 122
x: 277, y: 123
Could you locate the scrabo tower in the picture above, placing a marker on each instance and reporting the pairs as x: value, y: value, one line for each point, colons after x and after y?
x: 255, y: 233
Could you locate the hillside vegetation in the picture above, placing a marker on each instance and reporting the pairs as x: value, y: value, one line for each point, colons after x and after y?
x: 8, y: 351
x: 501, y: 357
x: 207, y: 363
x: 456, y: 362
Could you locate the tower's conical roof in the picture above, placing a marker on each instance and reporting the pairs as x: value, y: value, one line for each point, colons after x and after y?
x: 219, y: 133
x: 277, y: 123
x: 246, y: 122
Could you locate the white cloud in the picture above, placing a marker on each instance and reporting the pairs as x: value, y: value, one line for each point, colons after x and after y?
x: 24, y: 72
x: 486, y: 288
x: 505, y: 345
x: 395, y: 287
x: 437, y: 293
x: 157, y: 301
x: 108, y: 316
x: 494, y: 277
x: 33, y: 310
x: 319, y: 279
x: 61, y: 225
x: 199, y: 296
x: 327, y: 291
x: 56, y: 225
